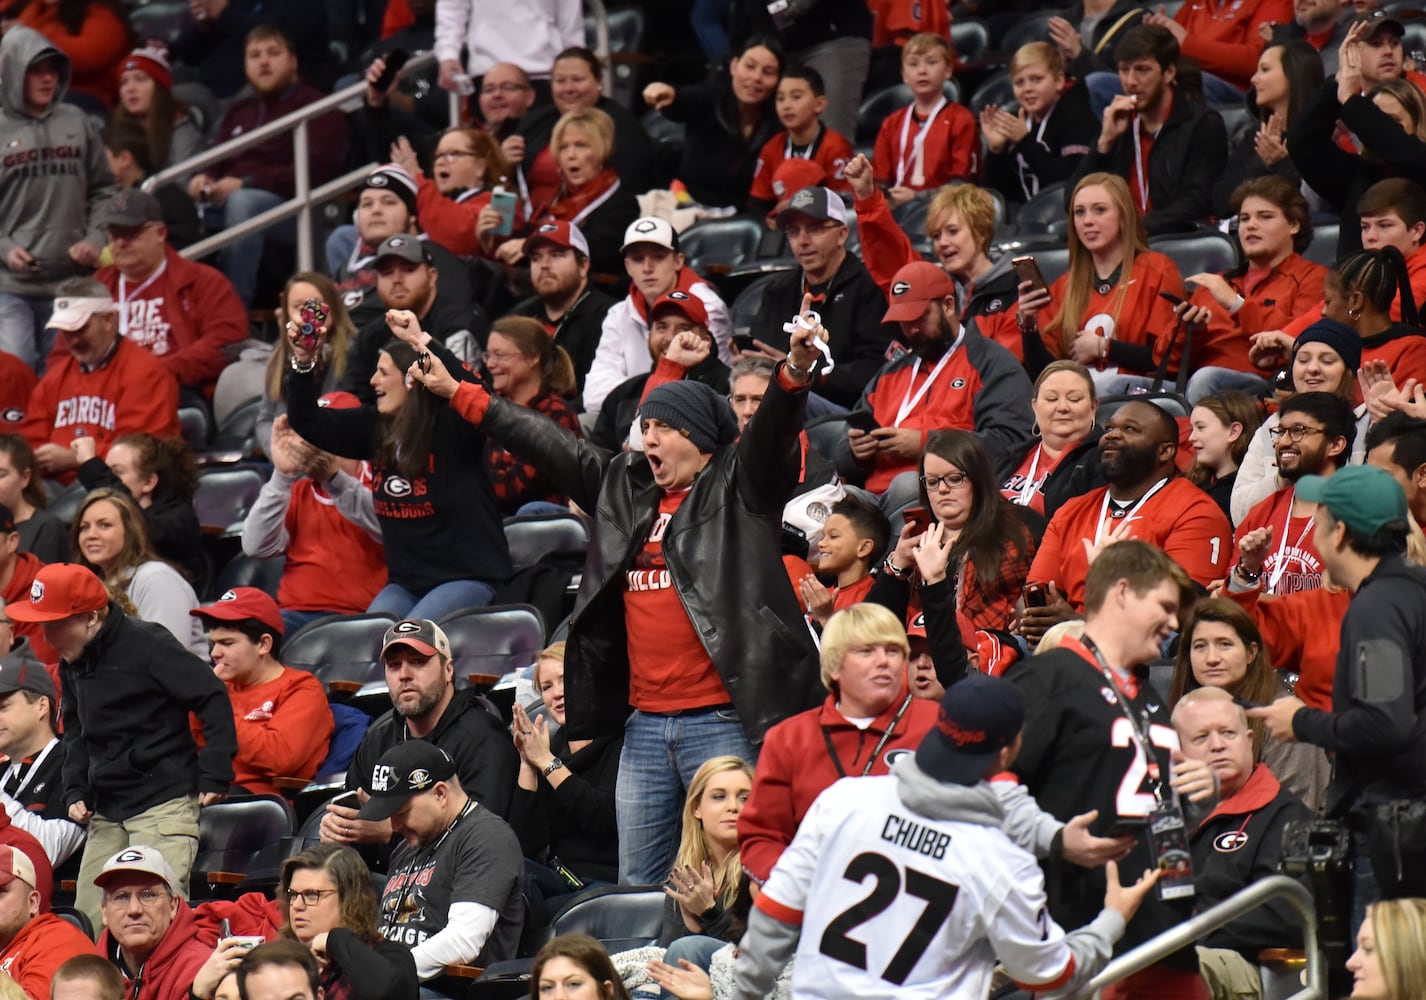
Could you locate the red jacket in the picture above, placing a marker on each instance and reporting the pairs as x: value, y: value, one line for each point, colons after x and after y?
x: 1303, y: 631
x: 1293, y: 287
x: 951, y: 149
x: 268, y: 165
x: 450, y: 221
x: 131, y: 391
x: 42, y: 946
x: 186, y: 319
x: 12, y: 836
x: 170, y: 970
x: 1223, y: 34
x: 284, y: 728
x: 795, y: 766
x: 1415, y: 272
x: 17, y: 381
x: 830, y: 150
x: 27, y: 564
x: 95, y: 54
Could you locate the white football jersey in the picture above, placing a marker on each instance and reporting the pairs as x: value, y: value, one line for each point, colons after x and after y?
x: 894, y: 904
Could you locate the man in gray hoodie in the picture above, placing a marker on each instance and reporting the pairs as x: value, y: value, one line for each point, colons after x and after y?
x: 53, y: 178
x: 950, y: 893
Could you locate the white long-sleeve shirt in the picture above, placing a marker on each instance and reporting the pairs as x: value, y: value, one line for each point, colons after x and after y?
x: 528, y: 33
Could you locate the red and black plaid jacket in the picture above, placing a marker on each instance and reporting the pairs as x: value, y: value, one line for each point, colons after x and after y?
x: 517, y: 483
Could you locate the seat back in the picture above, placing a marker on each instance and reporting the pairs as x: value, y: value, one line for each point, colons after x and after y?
x: 1044, y: 213
x: 1034, y: 28
x: 716, y: 246
x: 1323, y: 248
x: 534, y: 536
x: 1196, y: 253
x: 877, y: 107
x: 224, y: 497
x: 249, y: 571
x: 195, y: 426
x: 339, y: 648
x: 164, y: 19
x: 66, y: 505
x: 493, y: 640
x: 970, y: 38
x: 622, y: 917
x: 1172, y: 403
x: 76, y: 917
x: 998, y: 90
x: 244, y: 835
x: 746, y: 306
x: 238, y: 430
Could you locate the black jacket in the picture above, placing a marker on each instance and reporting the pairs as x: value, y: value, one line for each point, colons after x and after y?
x: 603, y: 229
x: 633, y: 157
x: 1108, y: 33
x: 576, y: 821
x: 1237, y: 844
x: 1077, y: 473
x: 1245, y: 164
x: 723, y: 551
x: 718, y: 160
x: 938, y: 609
x: 383, y: 970
x: 1342, y: 177
x: 127, y: 743
x: 1377, y: 726
x: 851, y: 311
x: 485, y: 758
x: 617, y: 414
x: 445, y: 320
x: 1187, y: 158
x: 172, y: 523
x: 578, y: 330
x: 1049, y: 157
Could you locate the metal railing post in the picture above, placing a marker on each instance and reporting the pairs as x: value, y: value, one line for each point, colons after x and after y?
x: 454, y: 101
x: 302, y: 175
x: 1197, y: 927
x: 601, y: 41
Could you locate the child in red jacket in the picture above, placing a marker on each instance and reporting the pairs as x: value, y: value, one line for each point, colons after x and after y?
x: 933, y: 140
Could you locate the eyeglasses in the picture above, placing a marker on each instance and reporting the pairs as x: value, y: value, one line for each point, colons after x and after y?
x: 455, y: 154
x: 952, y: 481
x: 309, y: 897
x: 502, y: 357
x: 503, y: 88
x: 146, y: 897
x: 797, y: 229
x: 1294, y: 433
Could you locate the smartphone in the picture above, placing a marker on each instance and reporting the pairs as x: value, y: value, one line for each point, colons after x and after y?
x: 504, y: 202
x: 918, y: 517
x: 1128, y: 826
x: 351, y: 800
x: 862, y: 420
x: 744, y: 342
x: 1027, y: 270
x: 395, y: 59
x: 1037, y: 595
x: 1171, y: 298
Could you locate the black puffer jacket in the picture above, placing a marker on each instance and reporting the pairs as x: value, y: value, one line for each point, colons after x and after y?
x: 722, y: 548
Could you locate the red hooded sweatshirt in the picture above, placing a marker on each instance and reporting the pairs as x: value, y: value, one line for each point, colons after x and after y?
x: 169, y: 971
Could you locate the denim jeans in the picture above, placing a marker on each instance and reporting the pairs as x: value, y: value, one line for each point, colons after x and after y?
x: 294, y: 620
x: 1207, y: 381
x: 22, y: 327
x: 240, y: 260
x: 436, y: 603
x: 661, y: 754
x: 697, y: 949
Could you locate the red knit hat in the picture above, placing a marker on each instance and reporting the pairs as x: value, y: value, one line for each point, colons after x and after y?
x: 152, y: 59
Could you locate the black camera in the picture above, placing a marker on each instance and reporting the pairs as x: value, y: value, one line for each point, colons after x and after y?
x: 1316, y: 846
x: 1318, y: 853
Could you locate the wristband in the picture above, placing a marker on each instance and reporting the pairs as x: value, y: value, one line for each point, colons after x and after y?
x: 1237, y: 304
x: 894, y: 570
x: 299, y: 368
x: 1245, y: 576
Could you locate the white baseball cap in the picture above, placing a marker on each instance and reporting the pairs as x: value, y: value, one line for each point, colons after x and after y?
x: 650, y: 229
x: 145, y: 860
x: 73, y: 311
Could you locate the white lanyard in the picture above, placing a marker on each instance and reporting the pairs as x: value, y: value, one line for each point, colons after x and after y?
x: 788, y: 153
x: 33, y: 770
x: 918, y: 145
x: 1139, y: 169
x: 1028, y: 490
x: 1104, y: 509
x: 1029, y: 181
x: 909, y: 400
x: 124, y: 296
x: 1281, y: 563
x: 595, y: 204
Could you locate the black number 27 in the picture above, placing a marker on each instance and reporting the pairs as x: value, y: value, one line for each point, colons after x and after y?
x: 940, y: 897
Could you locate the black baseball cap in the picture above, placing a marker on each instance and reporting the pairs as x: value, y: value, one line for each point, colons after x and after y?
x: 407, y: 769
x: 980, y: 716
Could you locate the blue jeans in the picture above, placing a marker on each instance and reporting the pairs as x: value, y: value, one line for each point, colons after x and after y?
x: 240, y: 260
x: 22, y: 327
x: 1117, y: 384
x: 436, y: 603
x: 1364, y: 888
x: 902, y: 493
x: 1207, y: 381
x: 661, y: 754
x: 697, y: 949
x: 294, y: 620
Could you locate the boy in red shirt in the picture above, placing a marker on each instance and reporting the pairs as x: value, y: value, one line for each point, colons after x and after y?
x: 931, y: 141
x: 283, y: 721
x: 801, y: 99
x: 854, y: 533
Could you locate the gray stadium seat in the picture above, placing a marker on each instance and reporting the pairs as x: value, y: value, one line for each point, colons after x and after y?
x: 875, y: 108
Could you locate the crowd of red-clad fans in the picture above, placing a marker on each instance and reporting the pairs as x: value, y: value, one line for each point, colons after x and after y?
x: 997, y: 432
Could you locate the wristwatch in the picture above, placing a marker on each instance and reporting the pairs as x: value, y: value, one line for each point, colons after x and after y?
x: 554, y: 765
x: 1245, y: 576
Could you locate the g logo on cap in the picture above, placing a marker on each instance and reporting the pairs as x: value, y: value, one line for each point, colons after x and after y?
x: 548, y: 227
x: 397, y: 241
x: 229, y: 596
x: 377, y: 180
x: 37, y: 592
x: 678, y: 296
x: 130, y: 856
x: 900, y: 287
x: 406, y: 627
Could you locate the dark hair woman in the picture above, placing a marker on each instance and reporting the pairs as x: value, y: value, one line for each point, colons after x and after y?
x: 41, y: 533
x: 575, y: 965
x: 146, y: 99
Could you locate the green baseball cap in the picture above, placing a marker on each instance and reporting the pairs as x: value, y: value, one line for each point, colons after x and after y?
x: 1362, y: 497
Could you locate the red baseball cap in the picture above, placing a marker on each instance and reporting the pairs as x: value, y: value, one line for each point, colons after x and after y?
x: 912, y: 287
x: 241, y: 604
x: 338, y: 400
x: 687, y: 305
x: 60, y: 590
x: 560, y: 234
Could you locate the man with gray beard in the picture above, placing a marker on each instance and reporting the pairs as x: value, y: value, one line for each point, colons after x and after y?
x: 420, y: 679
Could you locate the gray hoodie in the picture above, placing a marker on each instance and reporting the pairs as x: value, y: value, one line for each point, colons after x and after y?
x: 983, y: 804
x: 53, y: 172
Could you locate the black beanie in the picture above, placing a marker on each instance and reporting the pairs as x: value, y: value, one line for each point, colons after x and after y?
x: 1338, y: 336
x: 695, y: 411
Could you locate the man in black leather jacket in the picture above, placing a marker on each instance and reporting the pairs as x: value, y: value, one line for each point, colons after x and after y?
x: 684, y: 612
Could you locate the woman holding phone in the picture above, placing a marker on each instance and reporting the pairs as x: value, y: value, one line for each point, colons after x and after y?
x: 1113, y: 310
x: 466, y: 168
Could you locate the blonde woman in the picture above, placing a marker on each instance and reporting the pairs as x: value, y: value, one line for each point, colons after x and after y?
x: 1390, y: 960
x: 341, y: 332
x: 1106, y: 311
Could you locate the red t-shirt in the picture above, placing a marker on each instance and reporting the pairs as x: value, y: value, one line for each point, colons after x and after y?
x: 830, y: 150
x: 1293, y: 563
x: 669, y: 670
x: 315, y: 530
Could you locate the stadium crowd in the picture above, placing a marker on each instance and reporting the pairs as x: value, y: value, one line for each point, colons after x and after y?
x: 997, y: 432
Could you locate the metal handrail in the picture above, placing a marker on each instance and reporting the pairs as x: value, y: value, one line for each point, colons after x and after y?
x: 1195, y: 928
x: 601, y: 41
x: 305, y: 195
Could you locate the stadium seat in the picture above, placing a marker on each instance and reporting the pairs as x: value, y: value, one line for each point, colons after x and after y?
x: 1044, y: 213
x: 163, y: 19
x: 196, y: 426
x: 1034, y: 28
x: 224, y: 497
x: 239, y: 839
x: 826, y: 435
x: 1171, y: 402
x: 622, y: 917
x: 1414, y: 41
x: 343, y: 651
x: 1195, y: 253
x: 996, y: 89
x: 746, y: 306
x: 875, y: 108
x: 911, y: 217
x: 236, y: 437
x: 66, y: 505
x: 1323, y: 249
x: 75, y: 917
x: 1052, y: 261
x: 1235, y: 118
x: 249, y: 571
x: 717, y: 246
x: 533, y: 537
x: 492, y: 641
x: 970, y: 38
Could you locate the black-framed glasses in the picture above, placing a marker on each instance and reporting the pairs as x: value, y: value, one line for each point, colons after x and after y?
x: 455, y: 154
x: 309, y: 897
x: 952, y: 481
x: 1295, y: 433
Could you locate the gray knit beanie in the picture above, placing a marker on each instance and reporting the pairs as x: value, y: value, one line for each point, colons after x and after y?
x: 695, y: 410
